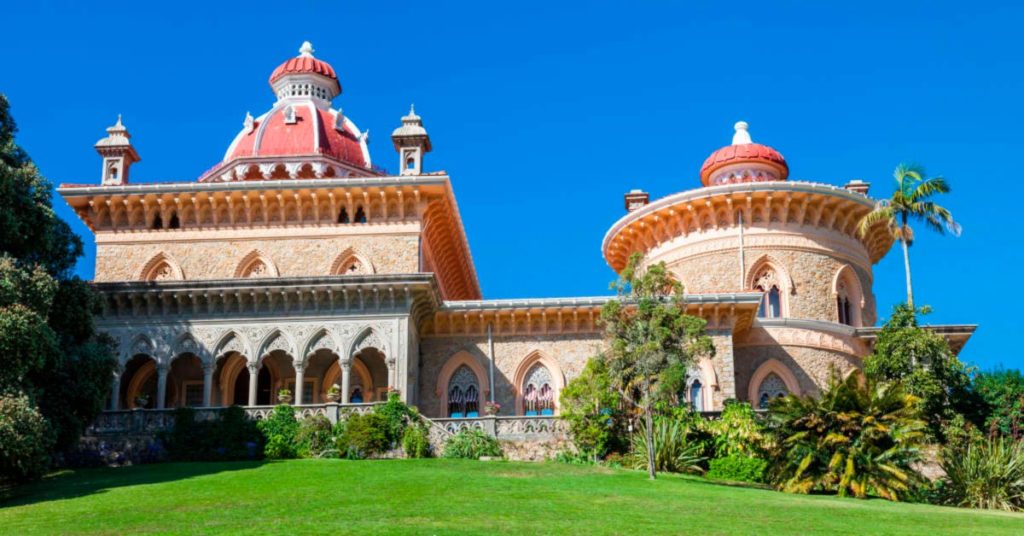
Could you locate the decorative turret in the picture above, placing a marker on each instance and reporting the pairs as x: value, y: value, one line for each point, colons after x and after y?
x: 118, y: 154
x: 305, y: 76
x: 743, y: 161
x: 411, y: 142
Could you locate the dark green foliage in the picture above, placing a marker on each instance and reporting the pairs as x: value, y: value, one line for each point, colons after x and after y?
x: 855, y: 438
x: 673, y: 452
x: 415, y: 442
x: 25, y: 440
x: 738, y: 468
x: 232, y: 436
x: 398, y: 415
x: 923, y: 362
x: 46, y: 329
x: 984, y: 473
x: 1000, y: 394
x: 280, y: 429
x: 650, y: 340
x: 593, y: 410
x: 315, y: 436
x: 471, y: 444
x: 365, y: 436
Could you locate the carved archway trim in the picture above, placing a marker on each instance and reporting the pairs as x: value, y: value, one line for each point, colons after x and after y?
x: 348, y: 254
x: 460, y: 358
x: 146, y: 274
x: 533, y: 358
x: 768, y: 367
x: 252, y: 257
x: 847, y: 274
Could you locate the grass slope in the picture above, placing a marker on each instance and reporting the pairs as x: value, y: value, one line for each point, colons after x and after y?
x: 450, y: 497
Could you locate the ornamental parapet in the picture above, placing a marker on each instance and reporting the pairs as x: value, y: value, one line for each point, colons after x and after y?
x: 151, y: 421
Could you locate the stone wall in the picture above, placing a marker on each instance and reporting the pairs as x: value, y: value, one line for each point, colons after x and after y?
x: 220, y: 258
x: 812, y: 274
x: 810, y: 366
x: 570, y: 351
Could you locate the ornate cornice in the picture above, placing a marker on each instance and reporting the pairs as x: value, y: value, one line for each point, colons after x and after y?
x: 806, y: 333
x: 762, y: 204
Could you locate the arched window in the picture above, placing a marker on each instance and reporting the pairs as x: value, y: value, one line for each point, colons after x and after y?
x: 772, y: 387
x: 158, y: 222
x: 695, y: 396
x: 843, y: 306
x: 360, y: 215
x: 343, y: 216
x: 463, y: 394
x: 771, y: 304
x: 538, y: 394
x: 174, y: 223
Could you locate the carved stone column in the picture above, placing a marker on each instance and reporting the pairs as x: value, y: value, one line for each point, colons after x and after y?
x: 208, y: 369
x: 115, y: 391
x: 299, y: 380
x: 392, y: 373
x: 346, y: 374
x: 254, y: 376
x: 161, y: 385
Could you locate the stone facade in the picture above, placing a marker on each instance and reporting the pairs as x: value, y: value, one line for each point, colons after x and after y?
x: 219, y: 255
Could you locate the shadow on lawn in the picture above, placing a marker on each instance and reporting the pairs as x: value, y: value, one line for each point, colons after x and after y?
x: 81, y: 482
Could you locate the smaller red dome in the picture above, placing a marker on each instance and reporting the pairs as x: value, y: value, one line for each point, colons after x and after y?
x: 743, y: 151
x: 305, y: 63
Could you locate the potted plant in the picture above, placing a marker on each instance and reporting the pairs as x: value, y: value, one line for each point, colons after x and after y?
x: 141, y: 401
x: 334, y: 393
x: 492, y: 408
x: 284, y: 396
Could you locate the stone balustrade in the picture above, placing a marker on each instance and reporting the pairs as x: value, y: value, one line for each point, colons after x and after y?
x: 151, y: 421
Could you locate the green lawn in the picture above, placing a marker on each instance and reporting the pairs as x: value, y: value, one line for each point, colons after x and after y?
x: 447, y: 496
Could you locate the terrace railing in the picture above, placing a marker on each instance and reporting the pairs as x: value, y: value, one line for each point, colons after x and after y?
x: 150, y: 421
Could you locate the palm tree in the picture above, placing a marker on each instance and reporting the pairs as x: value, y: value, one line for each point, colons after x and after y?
x: 911, y: 201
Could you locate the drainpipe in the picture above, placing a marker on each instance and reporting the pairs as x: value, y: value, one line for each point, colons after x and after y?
x: 490, y: 359
x: 742, y: 257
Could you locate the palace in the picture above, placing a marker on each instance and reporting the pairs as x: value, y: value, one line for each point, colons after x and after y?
x: 297, y: 263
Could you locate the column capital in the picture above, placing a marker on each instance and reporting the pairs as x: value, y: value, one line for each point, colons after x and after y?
x: 299, y: 366
x: 345, y: 363
x: 209, y: 368
x: 254, y: 368
x: 163, y: 368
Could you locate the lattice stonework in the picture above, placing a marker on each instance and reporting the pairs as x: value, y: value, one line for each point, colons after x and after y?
x: 771, y: 387
x: 463, y: 379
x: 538, y: 377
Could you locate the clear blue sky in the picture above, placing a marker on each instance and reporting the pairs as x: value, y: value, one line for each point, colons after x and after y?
x: 546, y: 114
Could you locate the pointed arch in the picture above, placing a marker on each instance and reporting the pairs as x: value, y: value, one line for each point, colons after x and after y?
x: 534, y: 358
x: 333, y: 376
x: 460, y: 359
x: 256, y: 264
x: 368, y: 337
x: 275, y: 340
x: 767, y: 274
x: 849, y: 296
x: 232, y: 341
x: 704, y: 373
x: 772, y: 366
x: 349, y: 262
x: 321, y: 339
x: 187, y: 344
x: 161, y: 267
x: 139, y: 344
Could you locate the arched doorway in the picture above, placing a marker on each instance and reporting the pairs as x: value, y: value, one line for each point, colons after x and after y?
x: 138, y: 383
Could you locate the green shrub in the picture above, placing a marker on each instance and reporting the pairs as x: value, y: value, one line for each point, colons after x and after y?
x: 280, y: 429
x: 25, y: 440
x: 232, y: 436
x: 592, y: 409
x: 398, y: 416
x: 738, y: 468
x: 573, y: 457
x: 314, y: 436
x: 471, y: 444
x: 415, y: 442
x: 986, y: 473
x: 364, y: 436
x: 853, y: 439
x: 673, y: 453
x: 738, y: 431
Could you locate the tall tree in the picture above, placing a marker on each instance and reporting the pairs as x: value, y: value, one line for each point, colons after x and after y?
x: 650, y: 340
x: 912, y: 201
x: 51, y: 353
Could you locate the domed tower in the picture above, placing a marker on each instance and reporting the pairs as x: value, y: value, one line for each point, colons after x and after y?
x: 301, y: 136
x: 791, y: 245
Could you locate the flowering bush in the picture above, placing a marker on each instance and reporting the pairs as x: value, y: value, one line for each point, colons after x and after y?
x: 25, y: 439
x: 492, y: 408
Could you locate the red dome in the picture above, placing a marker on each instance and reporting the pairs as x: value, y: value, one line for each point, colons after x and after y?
x: 747, y: 152
x: 311, y: 133
x: 305, y: 65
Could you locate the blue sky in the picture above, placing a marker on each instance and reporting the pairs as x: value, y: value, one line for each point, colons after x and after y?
x: 546, y: 113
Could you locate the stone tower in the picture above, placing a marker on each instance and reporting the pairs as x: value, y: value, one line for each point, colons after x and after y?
x: 118, y: 154
x: 411, y: 142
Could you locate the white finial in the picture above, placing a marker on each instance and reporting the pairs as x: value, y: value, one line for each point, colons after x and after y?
x: 741, y: 137
x: 412, y: 108
x: 249, y: 123
x: 306, y: 49
x: 119, y: 125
